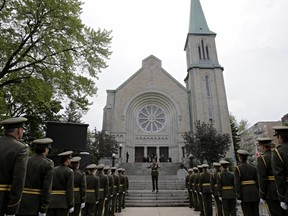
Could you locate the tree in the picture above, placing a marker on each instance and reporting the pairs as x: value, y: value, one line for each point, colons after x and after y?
x: 72, y: 114
x: 206, y: 143
x: 46, y: 47
x: 100, y: 144
x: 235, y: 134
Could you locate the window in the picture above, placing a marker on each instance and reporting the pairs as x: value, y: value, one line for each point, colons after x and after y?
x: 151, y: 118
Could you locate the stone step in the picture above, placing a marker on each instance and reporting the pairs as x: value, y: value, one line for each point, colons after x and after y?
x: 165, y: 198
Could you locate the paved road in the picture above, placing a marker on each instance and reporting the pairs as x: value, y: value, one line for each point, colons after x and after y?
x: 157, y: 211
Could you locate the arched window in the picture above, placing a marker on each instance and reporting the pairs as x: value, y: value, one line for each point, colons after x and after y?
x: 209, y: 97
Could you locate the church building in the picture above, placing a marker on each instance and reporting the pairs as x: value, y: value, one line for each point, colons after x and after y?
x: 149, y: 113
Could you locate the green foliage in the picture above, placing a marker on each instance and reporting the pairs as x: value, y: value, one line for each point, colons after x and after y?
x: 72, y: 114
x: 48, y: 59
x: 100, y: 145
x: 235, y: 134
x: 205, y: 143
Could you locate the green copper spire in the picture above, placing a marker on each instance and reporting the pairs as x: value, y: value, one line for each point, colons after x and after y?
x: 198, y: 24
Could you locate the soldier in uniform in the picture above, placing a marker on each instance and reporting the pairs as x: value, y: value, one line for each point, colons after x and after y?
x: 154, y: 174
x: 214, y: 177
x: 115, y: 191
x: 188, y: 186
x: 280, y: 164
x: 125, y: 189
x: 92, y: 191
x: 197, y: 187
x: 79, y: 186
x: 205, y: 190
x: 268, y: 193
x: 62, y: 198
x: 110, y: 191
x: 246, y: 185
x: 226, y: 190
x: 103, y: 190
x: 37, y: 191
x: 13, y: 162
x: 194, y: 189
x: 121, y: 189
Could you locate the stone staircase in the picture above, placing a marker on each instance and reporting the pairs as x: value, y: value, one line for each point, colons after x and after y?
x: 171, y: 183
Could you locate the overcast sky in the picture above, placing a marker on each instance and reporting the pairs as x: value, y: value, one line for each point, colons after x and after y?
x: 252, y: 46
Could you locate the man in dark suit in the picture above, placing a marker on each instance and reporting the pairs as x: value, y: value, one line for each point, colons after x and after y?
x: 62, y: 194
x: 79, y: 186
x: 280, y: 165
x: 226, y: 191
x: 13, y: 163
x: 92, y: 191
x: 37, y: 191
x: 246, y: 185
x: 267, y: 188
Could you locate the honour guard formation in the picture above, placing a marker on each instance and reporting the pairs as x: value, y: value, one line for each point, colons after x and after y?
x: 32, y: 185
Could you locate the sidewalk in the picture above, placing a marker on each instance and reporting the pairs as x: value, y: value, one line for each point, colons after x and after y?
x: 157, y: 211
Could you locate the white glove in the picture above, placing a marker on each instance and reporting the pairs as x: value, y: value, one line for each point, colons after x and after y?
x: 200, y: 193
x: 41, y: 214
x: 82, y: 205
x: 111, y: 196
x: 106, y: 199
x: 220, y: 198
x: 283, y: 205
x: 262, y: 201
x: 212, y: 196
x: 97, y: 202
x: 71, y: 210
x: 239, y: 201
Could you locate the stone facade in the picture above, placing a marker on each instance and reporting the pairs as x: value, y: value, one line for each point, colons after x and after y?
x: 149, y: 113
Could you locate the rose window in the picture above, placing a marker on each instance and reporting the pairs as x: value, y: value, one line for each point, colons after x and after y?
x: 151, y: 118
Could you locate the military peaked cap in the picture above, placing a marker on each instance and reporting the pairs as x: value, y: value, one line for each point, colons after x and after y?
x: 242, y: 152
x: 43, y: 141
x: 224, y: 162
x: 215, y: 164
x: 280, y: 130
x: 91, y: 166
x: 75, y: 159
x: 66, y: 154
x: 12, y: 123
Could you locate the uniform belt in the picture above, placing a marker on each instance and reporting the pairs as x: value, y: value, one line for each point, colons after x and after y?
x: 154, y: 170
x: 32, y: 191
x: 121, y: 185
x: 76, y: 189
x: 206, y: 184
x: 90, y: 190
x: 227, y: 187
x: 248, y: 182
x: 58, y: 192
x: 270, y: 178
x: 5, y: 187
x: 101, y: 189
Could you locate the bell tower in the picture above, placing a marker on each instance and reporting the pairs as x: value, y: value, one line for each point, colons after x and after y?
x: 204, y: 80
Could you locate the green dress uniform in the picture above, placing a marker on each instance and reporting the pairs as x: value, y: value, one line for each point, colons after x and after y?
x: 226, y: 191
x: 79, y: 190
x: 103, y: 190
x: 214, y: 188
x: 62, y: 198
x: 154, y: 174
x: 189, y: 187
x: 125, y: 191
x: 110, y: 193
x: 122, y: 182
x: 115, y: 191
x: 13, y: 163
x: 194, y: 189
x: 92, y: 192
x: 246, y: 187
x: 197, y: 187
x: 267, y: 187
x: 205, y: 190
x: 37, y: 191
x: 280, y: 170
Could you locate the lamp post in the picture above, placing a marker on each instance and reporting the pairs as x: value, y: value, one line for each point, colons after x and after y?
x: 120, y: 150
x: 113, y: 159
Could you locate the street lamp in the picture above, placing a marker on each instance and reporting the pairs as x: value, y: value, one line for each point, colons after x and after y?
x: 120, y: 150
x: 113, y: 159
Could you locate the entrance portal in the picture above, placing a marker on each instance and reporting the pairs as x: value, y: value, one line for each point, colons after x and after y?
x: 164, y: 154
x: 139, y: 154
x: 151, y: 153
